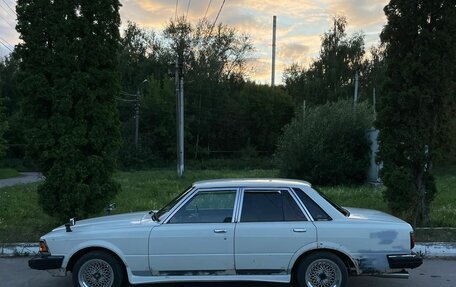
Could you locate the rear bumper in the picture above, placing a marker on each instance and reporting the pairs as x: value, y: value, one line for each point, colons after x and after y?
x: 409, y: 261
x: 45, y: 261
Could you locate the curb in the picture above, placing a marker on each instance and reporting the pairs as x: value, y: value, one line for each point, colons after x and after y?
x: 436, y: 249
x: 428, y: 250
x: 18, y: 249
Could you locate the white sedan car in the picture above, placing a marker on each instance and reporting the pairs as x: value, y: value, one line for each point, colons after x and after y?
x: 233, y: 230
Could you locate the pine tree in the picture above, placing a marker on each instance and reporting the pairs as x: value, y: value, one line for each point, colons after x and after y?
x: 420, y: 59
x: 68, y: 81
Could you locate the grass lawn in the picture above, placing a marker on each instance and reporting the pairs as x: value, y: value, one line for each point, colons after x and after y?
x: 8, y: 173
x: 22, y: 220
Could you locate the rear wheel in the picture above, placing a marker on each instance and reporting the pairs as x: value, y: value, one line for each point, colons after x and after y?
x: 321, y: 269
x: 97, y: 269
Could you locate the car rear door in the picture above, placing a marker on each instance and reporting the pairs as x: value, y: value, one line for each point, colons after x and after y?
x: 271, y: 228
x: 197, y: 239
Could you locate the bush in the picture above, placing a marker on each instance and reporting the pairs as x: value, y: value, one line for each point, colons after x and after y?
x: 327, y: 144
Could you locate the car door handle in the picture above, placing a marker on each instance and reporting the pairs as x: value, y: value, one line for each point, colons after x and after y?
x: 300, y: 230
x: 220, y: 231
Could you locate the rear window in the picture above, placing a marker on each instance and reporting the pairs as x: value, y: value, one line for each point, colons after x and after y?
x: 315, y: 210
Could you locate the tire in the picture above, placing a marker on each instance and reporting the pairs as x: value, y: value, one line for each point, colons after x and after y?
x: 98, y: 269
x: 321, y: 269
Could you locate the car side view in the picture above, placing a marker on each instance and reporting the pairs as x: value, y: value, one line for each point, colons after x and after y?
x: 270, y: 230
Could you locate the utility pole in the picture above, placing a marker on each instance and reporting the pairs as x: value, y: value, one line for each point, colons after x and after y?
x: 374, y: 101
x: 178, y: 104
x: 274, y: 28
x: 355, y: 98
x: 181, y: 126
x: 179, y: 82
x: 137, y: 106
x: 137, y: 118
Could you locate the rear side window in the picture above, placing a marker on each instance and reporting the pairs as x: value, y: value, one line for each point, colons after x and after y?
x: 270, y: 206
x: 315, y: 210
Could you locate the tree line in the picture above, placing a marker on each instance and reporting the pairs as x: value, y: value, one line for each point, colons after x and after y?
x: 70, y: 99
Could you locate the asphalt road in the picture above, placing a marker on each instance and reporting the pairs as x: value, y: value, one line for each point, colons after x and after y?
x: 14, y: 272
x: 24, y: 178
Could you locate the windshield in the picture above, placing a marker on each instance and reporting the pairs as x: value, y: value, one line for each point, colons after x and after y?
x: 342, y: 210
x: 173, y: 202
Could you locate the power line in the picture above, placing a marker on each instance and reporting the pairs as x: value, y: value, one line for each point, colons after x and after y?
x: 7, y: 11
x: 218, y: 14
x: 6, y: 21
x: 1, y: 42
x: 207, y: 9
x: 188, y: 7
x: 4, y: 41
x: 6, y: 3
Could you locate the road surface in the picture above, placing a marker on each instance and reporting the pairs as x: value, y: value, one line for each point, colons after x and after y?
x: 25, y: 177
x: 14, y: 272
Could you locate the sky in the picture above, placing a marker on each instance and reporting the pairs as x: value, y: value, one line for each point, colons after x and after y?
x: 300, y: 24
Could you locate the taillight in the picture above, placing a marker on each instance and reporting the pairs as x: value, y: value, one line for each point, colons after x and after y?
x: 43, y: 247
x: 412, y: 240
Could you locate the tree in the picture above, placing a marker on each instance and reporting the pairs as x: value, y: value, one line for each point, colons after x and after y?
x: 3, y: 119
x: 14, y: 135
x: 265, y: 110
x: 420, y: 71
x: 68, y: 80
x: 141, y: 55
x: 330, y: 77
x: 327, y: 144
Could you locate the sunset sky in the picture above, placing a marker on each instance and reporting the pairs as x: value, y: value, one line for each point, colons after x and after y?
x: 300, y: 24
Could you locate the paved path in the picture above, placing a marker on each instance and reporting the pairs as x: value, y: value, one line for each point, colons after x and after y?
x: 14, y: 272
x: 25, y: 177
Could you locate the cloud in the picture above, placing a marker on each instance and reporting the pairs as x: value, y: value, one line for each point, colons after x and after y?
x: 300, y: 23
x: 360, y: 13
x: 295, y: 51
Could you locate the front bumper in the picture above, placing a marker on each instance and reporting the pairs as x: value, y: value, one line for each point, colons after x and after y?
x: 409, y: 261
x: 45, y: 261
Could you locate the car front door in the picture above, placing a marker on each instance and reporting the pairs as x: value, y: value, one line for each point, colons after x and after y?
x: 197, y: 239
x: 272, y: 227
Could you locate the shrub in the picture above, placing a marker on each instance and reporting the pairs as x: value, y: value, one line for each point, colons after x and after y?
x: 327, y: 144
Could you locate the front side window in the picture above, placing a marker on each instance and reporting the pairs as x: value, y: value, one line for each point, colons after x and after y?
x: 270, y: 206
x: 207, y: 207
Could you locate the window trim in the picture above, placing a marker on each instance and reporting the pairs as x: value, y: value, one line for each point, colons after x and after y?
x: 270, y: 189
x: 194, y: 194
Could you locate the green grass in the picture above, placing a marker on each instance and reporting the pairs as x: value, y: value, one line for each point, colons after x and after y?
x: 443, y: 208
x: 146, y: 190
x: 22, y: 220
x: 8, y: 173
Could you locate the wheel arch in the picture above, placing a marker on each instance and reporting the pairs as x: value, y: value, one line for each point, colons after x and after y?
x: 77, y: 255
x: 350, y: 263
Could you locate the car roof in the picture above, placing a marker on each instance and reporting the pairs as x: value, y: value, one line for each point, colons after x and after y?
x: 249, y: 182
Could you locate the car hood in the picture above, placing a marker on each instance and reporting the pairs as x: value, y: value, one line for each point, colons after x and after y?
x: 370, y: 214
x: 111, y: 221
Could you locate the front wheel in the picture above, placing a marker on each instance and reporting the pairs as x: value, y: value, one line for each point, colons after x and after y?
x: 97, y: 269
x: 322, y: 269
